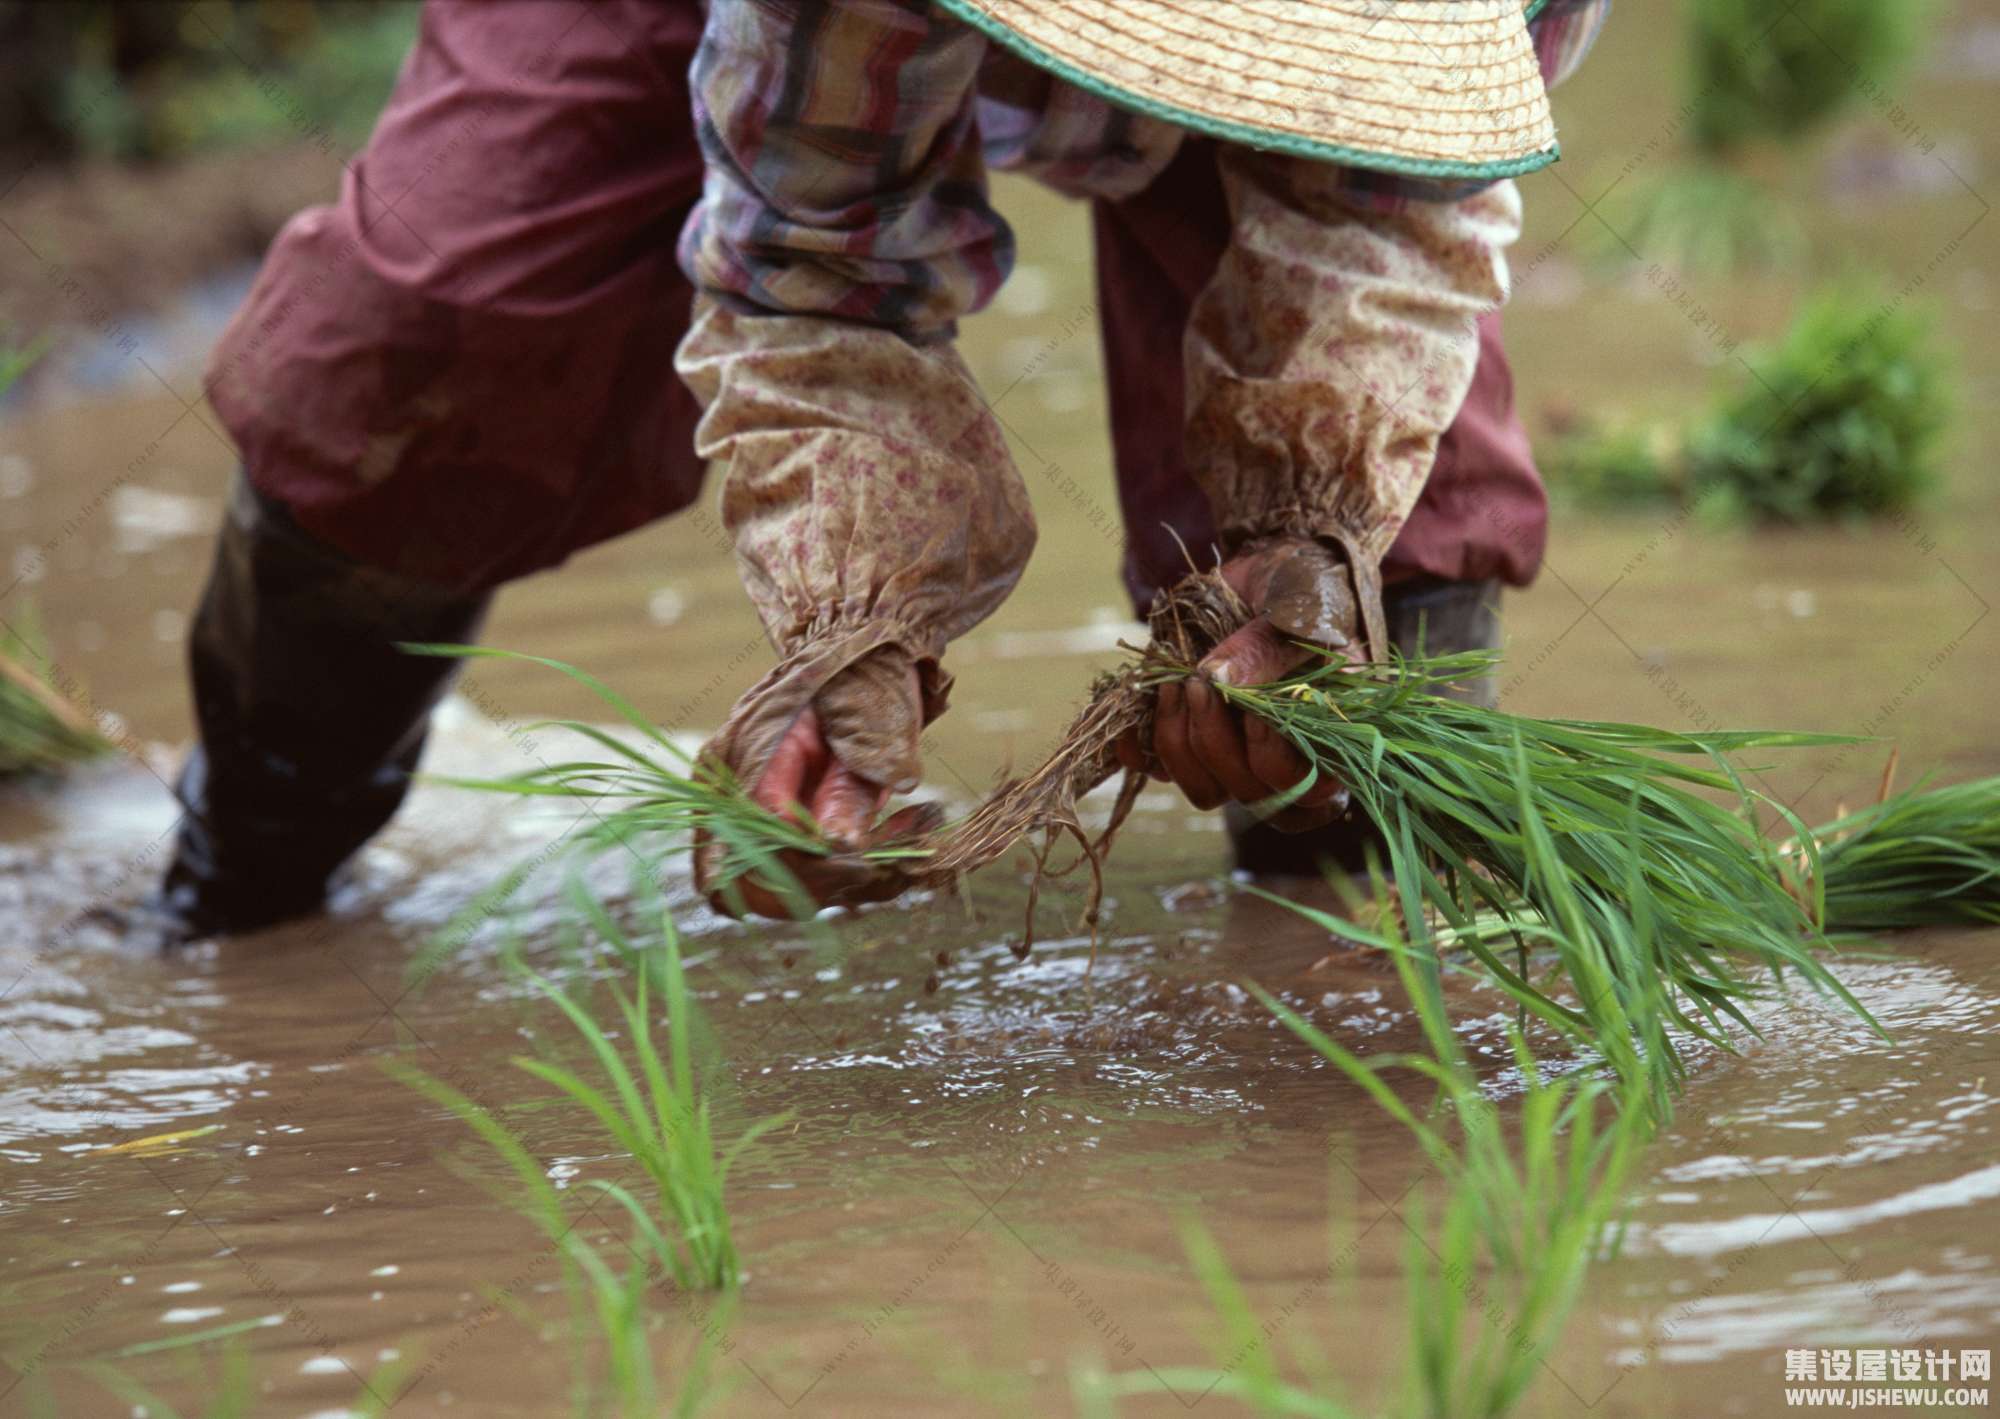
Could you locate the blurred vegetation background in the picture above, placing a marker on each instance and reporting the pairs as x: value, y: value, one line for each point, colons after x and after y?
x: 1728, y: 190
x: 139, y: 80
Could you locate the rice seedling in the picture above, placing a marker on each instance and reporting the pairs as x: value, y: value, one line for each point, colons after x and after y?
x: 657, y: 1114
x: 40, y: 730
x: 1845, y: 416
x: 653, y: 1109
x: 1491, y: 1277
x: 1527, y: 1216
x: 656, y: 789
x: 222, y: 1379
x: 1705, y: 220
x: 612, y: 1311
x: 1923, y: 857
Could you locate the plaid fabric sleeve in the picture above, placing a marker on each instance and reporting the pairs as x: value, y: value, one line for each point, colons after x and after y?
x: 1332, y: 349
x: 844, y: 171
x: 843, y: 227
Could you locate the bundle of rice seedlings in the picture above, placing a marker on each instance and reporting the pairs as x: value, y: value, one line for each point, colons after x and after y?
x: 40, y: 730
x: 1591, y: 843
x: 1753, y: 76
x: 1924, y: 857
x: 658, y: 788
x: 1845, y: 415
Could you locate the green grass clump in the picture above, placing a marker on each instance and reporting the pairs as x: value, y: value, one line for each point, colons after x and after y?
x: 1924, y: 857
x: 1610, y: 467
x: 1756, y: 73
x: 40, y: 731
x: 1842, y: 417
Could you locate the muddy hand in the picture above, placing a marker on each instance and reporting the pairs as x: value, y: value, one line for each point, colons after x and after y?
x: 837, y: 764
x: 1300, y: 592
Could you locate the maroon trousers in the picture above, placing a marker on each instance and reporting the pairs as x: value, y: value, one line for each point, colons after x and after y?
x: 462, y: 370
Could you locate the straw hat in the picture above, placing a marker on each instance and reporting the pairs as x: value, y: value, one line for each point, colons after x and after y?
x: 1430, y: 88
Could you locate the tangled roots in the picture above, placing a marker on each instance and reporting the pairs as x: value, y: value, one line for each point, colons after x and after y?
x: 1186, y: 621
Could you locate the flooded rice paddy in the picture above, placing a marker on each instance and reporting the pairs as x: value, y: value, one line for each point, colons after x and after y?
x: 982, y: 1185
x: 979, y: 1186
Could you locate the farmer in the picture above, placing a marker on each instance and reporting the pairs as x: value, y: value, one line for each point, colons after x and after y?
x: 464, y: 370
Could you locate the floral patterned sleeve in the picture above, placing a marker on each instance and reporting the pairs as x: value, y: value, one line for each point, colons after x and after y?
x: 844, y: 226
x: 1333, y: 347
x: 1337, y: 340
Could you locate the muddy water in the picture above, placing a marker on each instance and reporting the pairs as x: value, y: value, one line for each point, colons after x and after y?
x: 979, y: 1186
x: 982, y: 1185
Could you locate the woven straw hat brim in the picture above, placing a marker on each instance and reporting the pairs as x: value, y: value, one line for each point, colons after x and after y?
x: 1427, y: 88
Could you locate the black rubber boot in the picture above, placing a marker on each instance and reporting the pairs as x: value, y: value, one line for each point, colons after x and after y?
x: 1445, y: 617
x: 310, y: 719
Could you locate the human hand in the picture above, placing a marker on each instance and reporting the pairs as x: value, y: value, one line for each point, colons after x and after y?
x: 836, y: 764
x: 1300, y: 592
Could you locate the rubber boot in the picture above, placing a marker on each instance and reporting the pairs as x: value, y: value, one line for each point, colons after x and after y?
x: 1443, y: 617
x: 310, y: 719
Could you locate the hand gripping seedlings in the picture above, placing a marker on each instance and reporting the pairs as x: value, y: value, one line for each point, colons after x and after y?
x: 1655, y: 876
